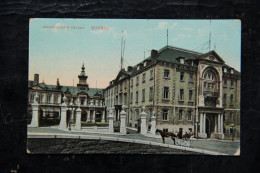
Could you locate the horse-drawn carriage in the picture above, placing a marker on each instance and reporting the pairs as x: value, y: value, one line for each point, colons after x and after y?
x: 178, y: 139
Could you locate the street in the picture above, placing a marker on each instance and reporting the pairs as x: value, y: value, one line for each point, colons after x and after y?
x: 221, y: 146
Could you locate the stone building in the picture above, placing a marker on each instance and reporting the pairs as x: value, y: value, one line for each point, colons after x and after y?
x: 186, y: 90
x: 90, y: 100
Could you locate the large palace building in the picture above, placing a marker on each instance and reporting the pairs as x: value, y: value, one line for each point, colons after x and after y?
x: 186, y: 90
x: 91, y: 100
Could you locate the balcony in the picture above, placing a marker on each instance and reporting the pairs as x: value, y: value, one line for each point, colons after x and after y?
x: 209, y: 93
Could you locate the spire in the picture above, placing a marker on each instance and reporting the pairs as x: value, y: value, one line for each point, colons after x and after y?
x: 83, y: 68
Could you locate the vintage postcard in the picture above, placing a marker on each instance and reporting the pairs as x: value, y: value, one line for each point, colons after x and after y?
x: 134, y: 86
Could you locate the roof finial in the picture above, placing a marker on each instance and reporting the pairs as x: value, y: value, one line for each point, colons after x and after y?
x: 83, y: 68
x: 210, y: 35
x: 167, y: 37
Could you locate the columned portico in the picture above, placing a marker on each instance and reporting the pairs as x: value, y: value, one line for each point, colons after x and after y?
x: 211, y: 123
x: 202, y: 133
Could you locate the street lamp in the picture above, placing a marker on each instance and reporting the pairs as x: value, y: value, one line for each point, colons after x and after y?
x: 232, y: 127
x: 197, y: 122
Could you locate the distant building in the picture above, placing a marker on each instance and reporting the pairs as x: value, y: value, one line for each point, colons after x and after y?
x: 186, y: 90
x: 91, y: 100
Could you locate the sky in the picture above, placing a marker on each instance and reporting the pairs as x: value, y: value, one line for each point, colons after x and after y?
x: 59, y: 47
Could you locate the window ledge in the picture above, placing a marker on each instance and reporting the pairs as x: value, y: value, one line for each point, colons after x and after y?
x: 191, y: 81
x: 182, y: 80
x: 181, y: 100
x: 190, y: 101
x: 165, y: 120
x: 166, y: 99
x: 167, y: 78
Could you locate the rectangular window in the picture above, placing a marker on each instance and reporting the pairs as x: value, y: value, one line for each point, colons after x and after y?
x: 191, y: 78
x: 181, y: 76
x: 125, y: 84
x: 48, y: 98
x: 131, y: 83
x: 224, y: 99
x: 40, y: 98
x: 225, y: 83
x: 165, y: 115
x: 231, y: 84
x: 131, y: 97
x: 151, y: 74
x: 190, y: 95
x: 231, y: 99
x: 136, y: 96
x: 125, y: 98
x: 231, y: 117
x: 151, y: 93
x: 166, y: 74
x: 182, y: 61
x: 143, y: 95
x: 166, y: 93
x: 32, y: 98
x: 180, y: 114
x: 137, y: 80
x: 181, y: 96
x: 143, y: 79
x: 190, y: 115
x: 55, y: 99
x: 120, y: 98
x: 121, y: 84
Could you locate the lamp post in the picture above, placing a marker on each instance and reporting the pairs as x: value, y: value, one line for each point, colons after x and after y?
x: 232, y: 127
x: 197, y: 122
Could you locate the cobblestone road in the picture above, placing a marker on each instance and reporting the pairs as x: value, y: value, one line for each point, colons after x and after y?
x: 222, y: 146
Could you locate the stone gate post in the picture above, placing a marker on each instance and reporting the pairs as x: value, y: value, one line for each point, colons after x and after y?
x: 78, y: 119
x: 153, y: 124
x: 63, y: 114
x: 35, y: 112
x: 110, y: 121
x: 122, y: 120
x: 143, y: 122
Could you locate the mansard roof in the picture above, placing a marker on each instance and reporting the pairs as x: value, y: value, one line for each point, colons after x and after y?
x: 72, y: 89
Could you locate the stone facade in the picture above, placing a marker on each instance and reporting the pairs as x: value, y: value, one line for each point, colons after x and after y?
x: 183, y: 88
x: 80, y: 99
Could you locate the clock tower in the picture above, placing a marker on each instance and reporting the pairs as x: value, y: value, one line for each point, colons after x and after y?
x: 82, y: 86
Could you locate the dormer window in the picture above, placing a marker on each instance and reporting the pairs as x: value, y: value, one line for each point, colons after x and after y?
x: 138, y: 67
x: 225, y: 70
x: 145, y: 63
x: 232, y: 71
x: 192, y: 63
x: 182, y: 60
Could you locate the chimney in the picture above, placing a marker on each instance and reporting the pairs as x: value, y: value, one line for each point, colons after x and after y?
x: 36, y: 79
x: 58, y: 83
x: 129, y: 68
x: 153, y: 53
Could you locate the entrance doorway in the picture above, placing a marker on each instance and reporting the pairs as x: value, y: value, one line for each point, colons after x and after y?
x: 98, y: 116
x: 210, y: 124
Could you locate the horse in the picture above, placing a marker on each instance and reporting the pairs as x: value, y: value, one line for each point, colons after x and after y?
x: 166, y: 134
